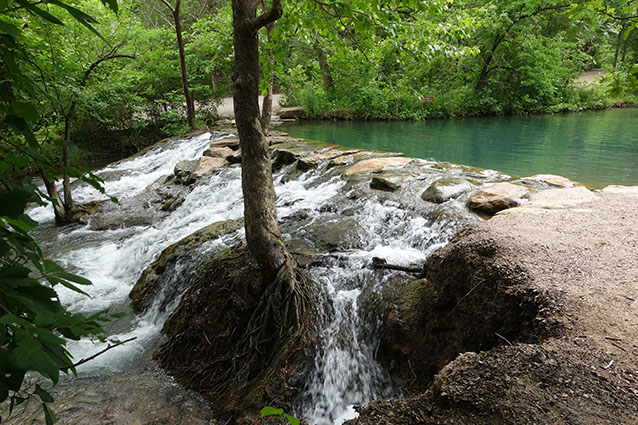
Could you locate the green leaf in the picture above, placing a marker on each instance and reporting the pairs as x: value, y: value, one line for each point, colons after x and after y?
x: 25, y: 111
x: 49, y: 416
x: 42, y: 13
x: 270, y: 411
x: 10, y: 29
x: 44, y: 396
x: 3, y: 6
x: 81, y: 17
x: 292, y: 420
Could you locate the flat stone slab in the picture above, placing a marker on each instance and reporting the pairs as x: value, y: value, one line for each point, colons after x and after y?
x: 375, y: 164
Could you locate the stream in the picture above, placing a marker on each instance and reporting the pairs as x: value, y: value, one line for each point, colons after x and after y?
x: 318, y: 209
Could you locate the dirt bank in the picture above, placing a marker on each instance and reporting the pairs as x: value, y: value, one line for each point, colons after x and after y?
x: 532, y: 316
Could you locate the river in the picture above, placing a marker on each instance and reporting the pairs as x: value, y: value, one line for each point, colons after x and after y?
x: 594, y: 148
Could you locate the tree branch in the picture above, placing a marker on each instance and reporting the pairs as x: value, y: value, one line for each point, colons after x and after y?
x: 276, y: 11
x: 108, y: 347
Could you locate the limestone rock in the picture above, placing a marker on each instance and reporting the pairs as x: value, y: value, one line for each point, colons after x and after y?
x: 621, y: 190
x: 376, y: 164
x: 219, y: 152
x: 380, y: 183
x: 497, y: 197
x: 229, y: 142
x: 206, y: 166
x: 551, y: 180
x: 561, y: 198
x: 443, y: 190
x: 183, y: 171
x: 311, y: 161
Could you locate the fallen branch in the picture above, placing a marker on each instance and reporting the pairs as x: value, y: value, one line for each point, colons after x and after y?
x: 381, y: 264
x: 109, y: 347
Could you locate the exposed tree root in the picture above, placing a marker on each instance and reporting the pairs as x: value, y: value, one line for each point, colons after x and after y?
x: 240, y: 342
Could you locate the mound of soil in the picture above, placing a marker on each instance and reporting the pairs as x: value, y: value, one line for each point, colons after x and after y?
x: 529, y: 318
x: 208, y: 348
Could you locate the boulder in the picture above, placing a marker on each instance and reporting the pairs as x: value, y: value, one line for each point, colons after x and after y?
x: 443, y: 190
x: 561, y: 198
x: 380, y: 183
x: 234, y: 158
x: 376, y: 164
x: 206, y: 166
x: 551, y: 180
x: 219, y: 152
x: 160, y: 275
x: 183, y: 171
x: 497, y: 197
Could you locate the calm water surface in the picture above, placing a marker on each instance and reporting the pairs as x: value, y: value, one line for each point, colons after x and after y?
x: 594, y: 148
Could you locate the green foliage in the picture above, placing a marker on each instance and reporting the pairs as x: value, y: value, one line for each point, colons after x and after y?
x: 271, y: 412
x: 34, y: 325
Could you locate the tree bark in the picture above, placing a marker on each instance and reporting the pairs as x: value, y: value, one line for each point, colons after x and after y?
x: 266, y: 106
x: 58, y: 205
x: 190, y: 104
x: 260, y: 214
x: 328, y: 82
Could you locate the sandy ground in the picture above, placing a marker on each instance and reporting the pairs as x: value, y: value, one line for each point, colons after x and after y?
x: 591, y: 77
x: 225, y: 109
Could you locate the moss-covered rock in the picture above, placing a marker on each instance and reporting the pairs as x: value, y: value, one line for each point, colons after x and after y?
x: 150, y: 281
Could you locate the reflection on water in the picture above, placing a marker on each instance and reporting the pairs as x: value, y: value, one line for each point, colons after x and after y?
x: 594, y: 148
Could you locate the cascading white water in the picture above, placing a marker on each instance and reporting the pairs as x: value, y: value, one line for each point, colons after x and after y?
x: 345, y: 371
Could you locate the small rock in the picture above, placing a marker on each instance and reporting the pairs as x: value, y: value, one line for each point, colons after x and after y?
x: 443, y: 190
x: 497, y: 197
x: 380, y: 183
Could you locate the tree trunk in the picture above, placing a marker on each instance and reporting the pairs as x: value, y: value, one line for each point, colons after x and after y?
x: 260, y: 214
x: 266, y: 106
x: 58, y: 205
x: 190, y: 105
x: 328, y: 82
x: 66, y: 183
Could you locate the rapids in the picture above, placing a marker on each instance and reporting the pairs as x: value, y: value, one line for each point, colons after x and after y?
x: 345, y: 371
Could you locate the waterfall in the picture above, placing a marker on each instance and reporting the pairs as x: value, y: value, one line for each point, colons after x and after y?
x: 345, y: 371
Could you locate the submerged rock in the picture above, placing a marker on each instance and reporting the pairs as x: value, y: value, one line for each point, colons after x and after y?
x: 497, y: 197
x: 442, y: 190
x: 153, y: 278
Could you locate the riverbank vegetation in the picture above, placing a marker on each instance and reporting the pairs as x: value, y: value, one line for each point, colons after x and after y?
x: 143, y: 72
